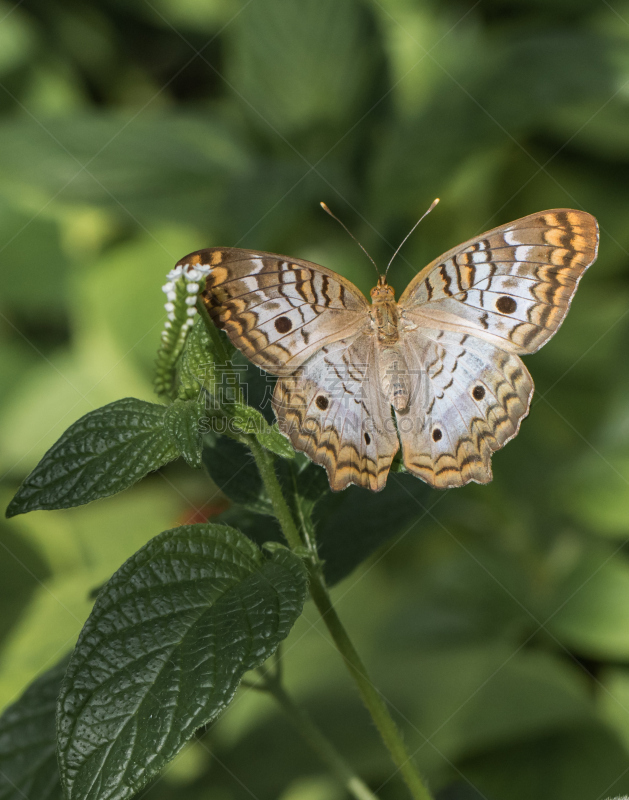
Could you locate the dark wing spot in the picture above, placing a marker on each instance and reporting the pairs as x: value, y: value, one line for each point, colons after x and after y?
x: 283, y: 324
x: 478, y: 392
x: 367, y: 438
x: 436, y: 435
x: 506, y: 305
x: 322, y: 402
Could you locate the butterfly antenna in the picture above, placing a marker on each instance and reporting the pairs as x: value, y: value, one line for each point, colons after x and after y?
x: 425, y: 214
x: 327, y: 211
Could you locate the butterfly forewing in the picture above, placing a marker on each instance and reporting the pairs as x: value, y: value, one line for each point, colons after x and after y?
x: 278, y: 311
x: 512, y: 285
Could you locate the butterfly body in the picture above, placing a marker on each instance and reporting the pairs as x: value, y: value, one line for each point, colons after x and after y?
x: 437, y: 372
x: 386, y: 323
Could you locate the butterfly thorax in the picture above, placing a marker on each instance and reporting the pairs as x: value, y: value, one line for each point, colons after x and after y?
x: 384, y: 312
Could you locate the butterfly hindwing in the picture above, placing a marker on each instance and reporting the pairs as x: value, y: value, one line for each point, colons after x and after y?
x: 512, y: 285
x: 476, y: 395
x: 333, y: 410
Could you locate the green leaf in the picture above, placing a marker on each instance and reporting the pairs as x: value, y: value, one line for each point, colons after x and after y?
x: 250, y: 420
x: 102, y: 453
x: 164, y: 650
x: 28, y: 761
x: 276, y: 442
x: 182, y: 421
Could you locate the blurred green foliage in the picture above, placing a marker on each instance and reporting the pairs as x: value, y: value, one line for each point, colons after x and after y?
x: 497, y: 622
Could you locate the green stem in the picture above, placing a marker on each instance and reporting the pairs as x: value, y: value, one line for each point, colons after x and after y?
x: 325, y: 750
x: 372, y: 698
x: 266, y: 467
x: 376, y: 706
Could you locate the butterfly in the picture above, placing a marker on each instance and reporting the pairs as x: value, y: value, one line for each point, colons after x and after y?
x: 438, y: 371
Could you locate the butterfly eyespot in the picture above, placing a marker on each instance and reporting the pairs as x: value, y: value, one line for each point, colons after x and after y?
x: 506, y: 305
x: 322, y: 402
x: 367, y: 438
x: 283, y: 324
x: 478, y: 392
x: 436, y: 435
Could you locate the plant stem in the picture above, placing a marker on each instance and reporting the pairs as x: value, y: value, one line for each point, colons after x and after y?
x: 371, y: 697
x: 266, y: 467
x: 318, y: 742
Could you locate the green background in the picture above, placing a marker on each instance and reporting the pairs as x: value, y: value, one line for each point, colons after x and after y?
x: 131, y: 133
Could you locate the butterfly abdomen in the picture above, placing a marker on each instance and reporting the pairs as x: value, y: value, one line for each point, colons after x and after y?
x: 394, y: 377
